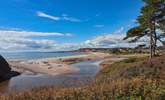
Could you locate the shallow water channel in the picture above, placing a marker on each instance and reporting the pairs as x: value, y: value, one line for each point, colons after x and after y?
x: 88, y: 71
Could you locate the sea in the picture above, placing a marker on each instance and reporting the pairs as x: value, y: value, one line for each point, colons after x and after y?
x: 36, y: 55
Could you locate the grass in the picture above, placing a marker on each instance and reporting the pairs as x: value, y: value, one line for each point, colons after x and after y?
x: 135, y: 78
x: 116, y: 69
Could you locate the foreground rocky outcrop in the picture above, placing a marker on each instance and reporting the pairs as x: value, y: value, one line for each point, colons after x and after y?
x: 5, y: 70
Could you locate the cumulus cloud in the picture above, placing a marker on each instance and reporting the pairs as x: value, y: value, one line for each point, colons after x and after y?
x: 30, y: 34
x: 23, y: 40
x: 112, y: 41
x: 26, y: 44
x: 56, y: 18
x: 115, y: 39
x: 103, y: 41
x: 16, y: 40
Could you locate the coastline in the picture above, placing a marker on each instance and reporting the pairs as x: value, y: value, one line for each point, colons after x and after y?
x: 72, y: 69
x: 54, y: 66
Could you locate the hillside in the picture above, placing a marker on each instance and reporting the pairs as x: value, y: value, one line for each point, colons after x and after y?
x: 114, y: 50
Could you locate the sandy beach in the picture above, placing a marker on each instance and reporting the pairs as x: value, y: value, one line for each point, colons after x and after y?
x: 54, y: 66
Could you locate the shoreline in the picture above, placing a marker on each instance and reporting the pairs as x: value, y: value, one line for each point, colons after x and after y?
x: 93, y: 62
x: 54, y: 66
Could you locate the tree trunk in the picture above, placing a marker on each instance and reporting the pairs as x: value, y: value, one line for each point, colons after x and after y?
x: 155, y: 45
x: 151, y: 45
x: 155, y: 39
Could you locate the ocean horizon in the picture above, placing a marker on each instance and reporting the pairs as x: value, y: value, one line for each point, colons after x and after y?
x: 37, y: 55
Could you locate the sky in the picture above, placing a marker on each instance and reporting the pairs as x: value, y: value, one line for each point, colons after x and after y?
x: 55, y: 25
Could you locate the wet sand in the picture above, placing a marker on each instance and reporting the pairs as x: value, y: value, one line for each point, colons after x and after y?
x: 53, y: 66
x: 87, y: 66
x: 25, y: 82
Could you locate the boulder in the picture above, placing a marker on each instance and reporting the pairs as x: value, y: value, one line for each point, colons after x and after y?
x: 4, y: 67
x: 10, y: 75
x: 5, y: 70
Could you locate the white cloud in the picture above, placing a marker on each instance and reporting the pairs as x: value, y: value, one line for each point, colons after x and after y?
x: 68, y: 46
x: 42, y: 14
x: 30, y: 34
x: 120, y: 30
x: 26, y: 44
x: 16, y: 40
x: 23, y: 40
x: 115, y: 39
x: 71, y: 19
x: 111, y: 41
x: 56, y: 18
x: 102, y: 41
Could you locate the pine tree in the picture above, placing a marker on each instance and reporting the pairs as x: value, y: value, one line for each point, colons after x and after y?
x: 151, y: 23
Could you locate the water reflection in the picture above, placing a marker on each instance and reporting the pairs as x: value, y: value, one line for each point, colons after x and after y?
x: 88, y: 69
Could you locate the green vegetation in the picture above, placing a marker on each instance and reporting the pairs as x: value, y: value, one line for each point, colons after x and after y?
x: 150, y: 21
x: 135, y: 78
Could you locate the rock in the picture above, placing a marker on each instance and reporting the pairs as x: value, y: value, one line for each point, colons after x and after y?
x: 4, y: 67
x: 5, y: 70
x: 10, y: 75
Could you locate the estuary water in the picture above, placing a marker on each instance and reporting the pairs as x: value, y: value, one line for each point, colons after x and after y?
x: 88, y: 70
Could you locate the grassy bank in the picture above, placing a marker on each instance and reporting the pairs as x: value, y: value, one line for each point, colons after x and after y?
x: 135, y: 78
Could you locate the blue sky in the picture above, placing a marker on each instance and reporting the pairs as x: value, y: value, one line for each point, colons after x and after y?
x: 78, y: 21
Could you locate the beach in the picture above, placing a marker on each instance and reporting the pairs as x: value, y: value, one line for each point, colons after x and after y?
x: 68, y: 71
x: 54, y: 66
